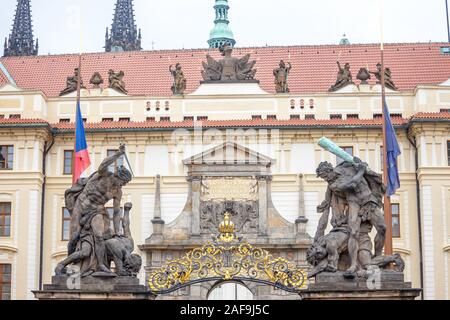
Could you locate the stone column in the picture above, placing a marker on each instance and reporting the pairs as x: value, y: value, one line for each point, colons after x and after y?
x: 263, y: 204
x: 300, y: 223
x: 195, y: 222
x: 158, y: 223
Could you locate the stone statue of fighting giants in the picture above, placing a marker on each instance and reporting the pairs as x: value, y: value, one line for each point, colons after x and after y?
x: 93, y: 245
x: 354, y: 198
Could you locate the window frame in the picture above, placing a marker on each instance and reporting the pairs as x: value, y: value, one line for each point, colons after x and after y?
x: 343, y: 148
x: 5, y: 283
x: 3, y: 215
x: 9, y: 151
x: 71, y: 165
x: 399, y: 221
x: 118, y: 162
x: 448, y: 152
x: 63, y: 220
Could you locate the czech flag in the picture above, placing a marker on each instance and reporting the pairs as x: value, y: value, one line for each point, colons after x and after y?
x: 81, y: 161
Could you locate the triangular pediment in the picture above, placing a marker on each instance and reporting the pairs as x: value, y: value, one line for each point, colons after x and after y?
x: 229, y: 153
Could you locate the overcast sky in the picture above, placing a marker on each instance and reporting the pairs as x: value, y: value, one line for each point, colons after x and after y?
x: 175, y: 24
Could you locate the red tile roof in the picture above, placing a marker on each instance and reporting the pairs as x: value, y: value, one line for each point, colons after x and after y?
x: 3, y: 79
x: 110, y: 125
x: 19, y: 122
x: 431, y: 116
x: 254, y: 123
x: 314, y: 67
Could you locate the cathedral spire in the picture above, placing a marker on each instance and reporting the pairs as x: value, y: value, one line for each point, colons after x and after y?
x: 221, y: 34
x: 21, y: 41
x: 124, y: 34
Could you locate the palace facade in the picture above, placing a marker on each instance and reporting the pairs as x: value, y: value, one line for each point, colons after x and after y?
x: 189, y: 151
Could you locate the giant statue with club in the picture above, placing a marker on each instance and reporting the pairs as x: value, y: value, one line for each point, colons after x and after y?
x: 354, y: 198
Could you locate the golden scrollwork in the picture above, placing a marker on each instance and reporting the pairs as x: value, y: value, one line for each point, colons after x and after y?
x: 228, y: 262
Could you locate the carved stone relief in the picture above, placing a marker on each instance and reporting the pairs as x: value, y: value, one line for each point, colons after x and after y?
x: 244, y: 214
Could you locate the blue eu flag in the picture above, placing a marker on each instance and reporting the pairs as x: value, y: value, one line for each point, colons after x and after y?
x: 393, y: 151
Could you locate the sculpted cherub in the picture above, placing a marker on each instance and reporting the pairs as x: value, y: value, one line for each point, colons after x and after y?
x: 116, y: 81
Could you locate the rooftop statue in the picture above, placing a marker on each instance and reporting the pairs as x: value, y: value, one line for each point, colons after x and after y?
x: 344, y: 77
x: 363, y: 75
x: 354, y: 199
x: 387, y: 77
x: 179, y: 80
x: 116, y: 81
x: 93, y: 245
x: 72, y: 84
x: 229, y: 68
x: 281, y: 77
x: 96, y: 80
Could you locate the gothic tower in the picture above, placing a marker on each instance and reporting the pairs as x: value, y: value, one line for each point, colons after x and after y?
x: 124, y: 35
x: 221, y: 34
x: 21, y: 41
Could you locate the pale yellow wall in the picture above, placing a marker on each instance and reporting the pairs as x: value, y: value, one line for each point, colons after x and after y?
x: 296, y: 152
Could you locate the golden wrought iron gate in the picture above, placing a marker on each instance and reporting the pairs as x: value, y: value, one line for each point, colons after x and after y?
x: 227, y: 259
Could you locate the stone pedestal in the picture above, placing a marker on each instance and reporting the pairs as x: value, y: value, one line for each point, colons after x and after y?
x: 386, y: 285
x: 94, y: 288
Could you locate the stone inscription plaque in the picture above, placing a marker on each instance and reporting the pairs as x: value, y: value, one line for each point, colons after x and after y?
x: 229, y: 189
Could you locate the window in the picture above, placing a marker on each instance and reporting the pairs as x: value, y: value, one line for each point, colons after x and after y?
x: 353, y: 116
x: 14, y: 116
x: 444, y: 110
x: 64, y: 120
x: 256, y: 117
x: 292, y: 104
x: 110, y: 212
x: 188, y: 118
x: 349, y: 150
x: 396, y: 115
x: 68, y: 162
x: 202, y: 118
x: 295, y: 117
x: 2, y: 116
x: 125, y: 119
x: 395, y: 209
x: 271, y: 117
x: 65, y: 224
x: 150, y: 119
x: 335, y: 116
x: 107, y: 119
x: 448, y: 152
x: 310, y: 117
x: 164, y: 119
x: 377, y: 116
x: 118, y: 163
x: 6, y: 157
x: 5, y: 282
x: 5, y: 219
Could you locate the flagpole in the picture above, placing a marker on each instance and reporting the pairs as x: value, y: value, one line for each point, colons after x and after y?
x: 388, y: 247
x: 78, y: 102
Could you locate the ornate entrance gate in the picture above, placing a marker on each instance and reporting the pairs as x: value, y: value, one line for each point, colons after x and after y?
x: 227, y: 258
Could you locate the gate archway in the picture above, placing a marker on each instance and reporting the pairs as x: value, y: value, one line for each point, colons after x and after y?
x: 227, y: 259
x: 230, y: 291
